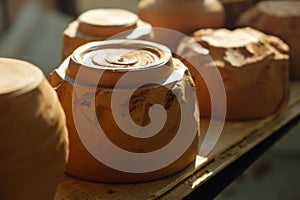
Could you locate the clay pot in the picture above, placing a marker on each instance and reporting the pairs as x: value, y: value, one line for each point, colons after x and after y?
x: 153, y: 77
x: 182, y: 16
x: 253, y: 67
x: 100, y: 24
x: 34, y: 144
x: 279, y: 18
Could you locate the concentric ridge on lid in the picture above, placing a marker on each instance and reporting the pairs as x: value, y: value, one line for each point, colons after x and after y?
x: 113, y: 58
x: 122, y: 55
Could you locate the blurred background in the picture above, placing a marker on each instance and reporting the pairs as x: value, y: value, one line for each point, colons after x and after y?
x: 32, y: 30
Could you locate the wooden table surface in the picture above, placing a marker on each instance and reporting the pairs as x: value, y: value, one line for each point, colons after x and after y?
x: 236, y: 139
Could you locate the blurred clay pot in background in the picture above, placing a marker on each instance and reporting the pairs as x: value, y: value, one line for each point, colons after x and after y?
x: 34, y: 143
x: 100, y: 24
x: 185, y: 16
x: 233, y: 9
x: 279, y: 18
x: 253, y: 66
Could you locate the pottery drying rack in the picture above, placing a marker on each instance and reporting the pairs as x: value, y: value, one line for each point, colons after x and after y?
x: 239, y: 145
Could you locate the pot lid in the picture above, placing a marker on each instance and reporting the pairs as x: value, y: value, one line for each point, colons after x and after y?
x: 111, y: 59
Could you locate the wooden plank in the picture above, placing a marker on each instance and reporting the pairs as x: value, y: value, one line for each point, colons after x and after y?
x: 236, y: 139
x: 231, y: 146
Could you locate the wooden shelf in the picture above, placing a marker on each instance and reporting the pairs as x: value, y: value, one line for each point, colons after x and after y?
x: 237, y: 138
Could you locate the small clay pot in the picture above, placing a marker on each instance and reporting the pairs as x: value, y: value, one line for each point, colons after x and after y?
x: 34, y: 143
x: 279, y: 18
x: 86, y: 83
x: 100, y: 24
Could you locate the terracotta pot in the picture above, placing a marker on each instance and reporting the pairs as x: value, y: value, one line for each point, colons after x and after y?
x: 34, y: 144
x: 178, y: 15
x: 100, y: 24
x: 183, y: 16
x: 253, y: 67
x: 279, y: 18
x: 153, y: 77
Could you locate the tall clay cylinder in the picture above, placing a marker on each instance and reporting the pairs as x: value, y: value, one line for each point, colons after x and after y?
x: 141, y: 74
x: 34, y: 143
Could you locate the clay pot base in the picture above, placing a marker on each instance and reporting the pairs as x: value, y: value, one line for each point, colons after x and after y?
x: 18, y: 77
x: 34, y: 144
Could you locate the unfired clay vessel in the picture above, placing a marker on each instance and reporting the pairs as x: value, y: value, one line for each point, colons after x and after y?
x: 279, y: 18
x: 185, y: 16
x: 100, y: 24
x: 80, y: 89
x: 34, y: 143
x: 254, y: 68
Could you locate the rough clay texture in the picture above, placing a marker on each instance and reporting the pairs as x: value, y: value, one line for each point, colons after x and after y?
x: 253, y: 67
x: 279, y: 18
x: 82, y: 164
x: 34, y: 143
